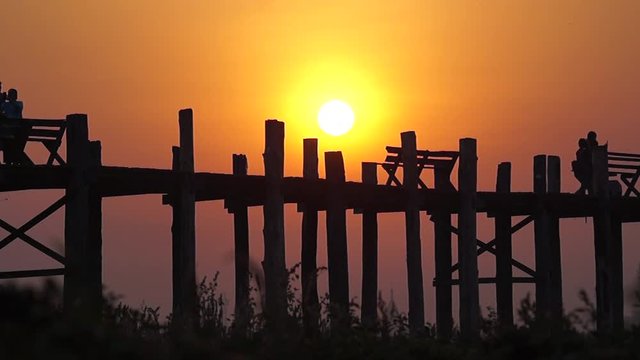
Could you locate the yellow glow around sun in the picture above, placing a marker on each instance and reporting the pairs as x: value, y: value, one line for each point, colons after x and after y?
x: 336, y: 118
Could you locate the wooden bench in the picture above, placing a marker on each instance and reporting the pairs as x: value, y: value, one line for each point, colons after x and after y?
x: 16, y: 133
x: 627, y: 168
x: 425, y: 160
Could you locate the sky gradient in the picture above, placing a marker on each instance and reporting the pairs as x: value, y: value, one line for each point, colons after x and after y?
x: 524, y: 78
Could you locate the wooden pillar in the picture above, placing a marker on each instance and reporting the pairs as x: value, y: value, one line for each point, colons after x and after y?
x: 615, y: 261
x: 412, y: 231
x: 94, y: 243
x: 183, y: 228
x: 442, y: 229
x: 311, y: 305
x: 241, y: 247
x: 337, y: 237
x: 603, y: 239
x: 504, y: 274
x: 274, y: 265
x: 77, y: 218
x: 541, y: 239
x: 467, y: 253
x: 369, y: 253
x: 555, y: 254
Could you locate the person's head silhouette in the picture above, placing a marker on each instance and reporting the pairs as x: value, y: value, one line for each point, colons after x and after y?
x: 582, y: 143
x: 592, y: 137
x: 12, y: 95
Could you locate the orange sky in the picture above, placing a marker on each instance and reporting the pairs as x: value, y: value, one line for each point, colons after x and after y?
x: 523, y: 77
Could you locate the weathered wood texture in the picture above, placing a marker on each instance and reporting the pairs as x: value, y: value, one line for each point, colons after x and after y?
x: 412, y: 232
x: 337, y: 238
x: 309, y: 271
x: 183, y: 228
x: 555, y: 254
x: 469, y: 291
x: 241, y: 251
x: 442, y: 250
x: 369, y: 253
x: 541, y: 239
x: 274, y: 266
x: 504, y: 272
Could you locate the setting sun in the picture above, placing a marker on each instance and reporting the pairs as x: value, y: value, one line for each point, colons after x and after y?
x: 335, y: 118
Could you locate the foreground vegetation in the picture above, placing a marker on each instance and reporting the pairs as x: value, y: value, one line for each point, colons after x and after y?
x: 32, y: 326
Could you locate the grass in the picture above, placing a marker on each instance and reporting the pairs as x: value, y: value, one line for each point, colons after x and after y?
x: 32, y: 326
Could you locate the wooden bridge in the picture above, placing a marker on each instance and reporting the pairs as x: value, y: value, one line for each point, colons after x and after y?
x: 86, y: 182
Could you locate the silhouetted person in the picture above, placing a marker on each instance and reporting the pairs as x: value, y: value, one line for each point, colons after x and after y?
x: 14, y: 146
x: 582, y: 168
x: 12, y: 108
x: 592, y: 140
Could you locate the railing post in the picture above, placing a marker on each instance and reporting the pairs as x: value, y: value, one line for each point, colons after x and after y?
x: 311, y: 305
x: 369, y: 253
x: 94, y: 243
x: 274, y: 265
x: 504, y: 273
x: 241, y: 247
x: 337, y: 238
x: 467, y: 241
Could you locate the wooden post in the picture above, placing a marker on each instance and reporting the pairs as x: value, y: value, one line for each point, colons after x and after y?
x: 603, y: 236
x: 504, y: 274
x: 311, y: 305
x: 241, y: 242
x: 442, y: 229
x: 541, y: 239
x: 555, y: 254
x: 77, y: 209
x: 337, y: 237
x: 412, y: 229
x: 183, y: 228
x: 275, y: 270
x: 615, y: 261
x: 94, y: 243
x: 467, y: 253
x: 369, y: 253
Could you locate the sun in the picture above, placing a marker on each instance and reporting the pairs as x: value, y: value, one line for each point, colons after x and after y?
x: 336, y: 118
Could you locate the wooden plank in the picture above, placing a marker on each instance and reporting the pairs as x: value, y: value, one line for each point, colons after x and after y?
x: 30, y: 273
x: 442, y: 250
x: 337, y: 254
x: 76, y: 288
x: 412, y: 232
x: 469, y: 292
x: 309, y: 248
x: 623, y: 154
x: 43, y: 133
x: 555, y: 255
x: 183, y: 230
x: 274, y: 251
x: 504, y: 273
x: 369, y: 254
x: 493, y: 280
x: 241, y: 251
x: 45, y: 122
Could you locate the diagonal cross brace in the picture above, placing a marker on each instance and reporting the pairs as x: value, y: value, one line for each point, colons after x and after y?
x: 631, y: 184
x: 484, y: 247
x: 16, y: 233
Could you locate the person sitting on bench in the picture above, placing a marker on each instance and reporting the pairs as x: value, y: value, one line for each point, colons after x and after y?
x: 12, y: 109
x: 582, y: 168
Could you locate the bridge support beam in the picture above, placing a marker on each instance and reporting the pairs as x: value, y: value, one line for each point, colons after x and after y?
x: 241, y: 251
x: 337, y: 239
x: 467, y: 243
x: 504, y: 273
x: 556, y: 309
x: 442, y: 244
x: 369, y: 253
x: 310, y: 302
x: 183, y: 229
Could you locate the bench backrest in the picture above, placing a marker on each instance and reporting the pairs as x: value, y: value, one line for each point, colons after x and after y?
x: 623, y: 164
